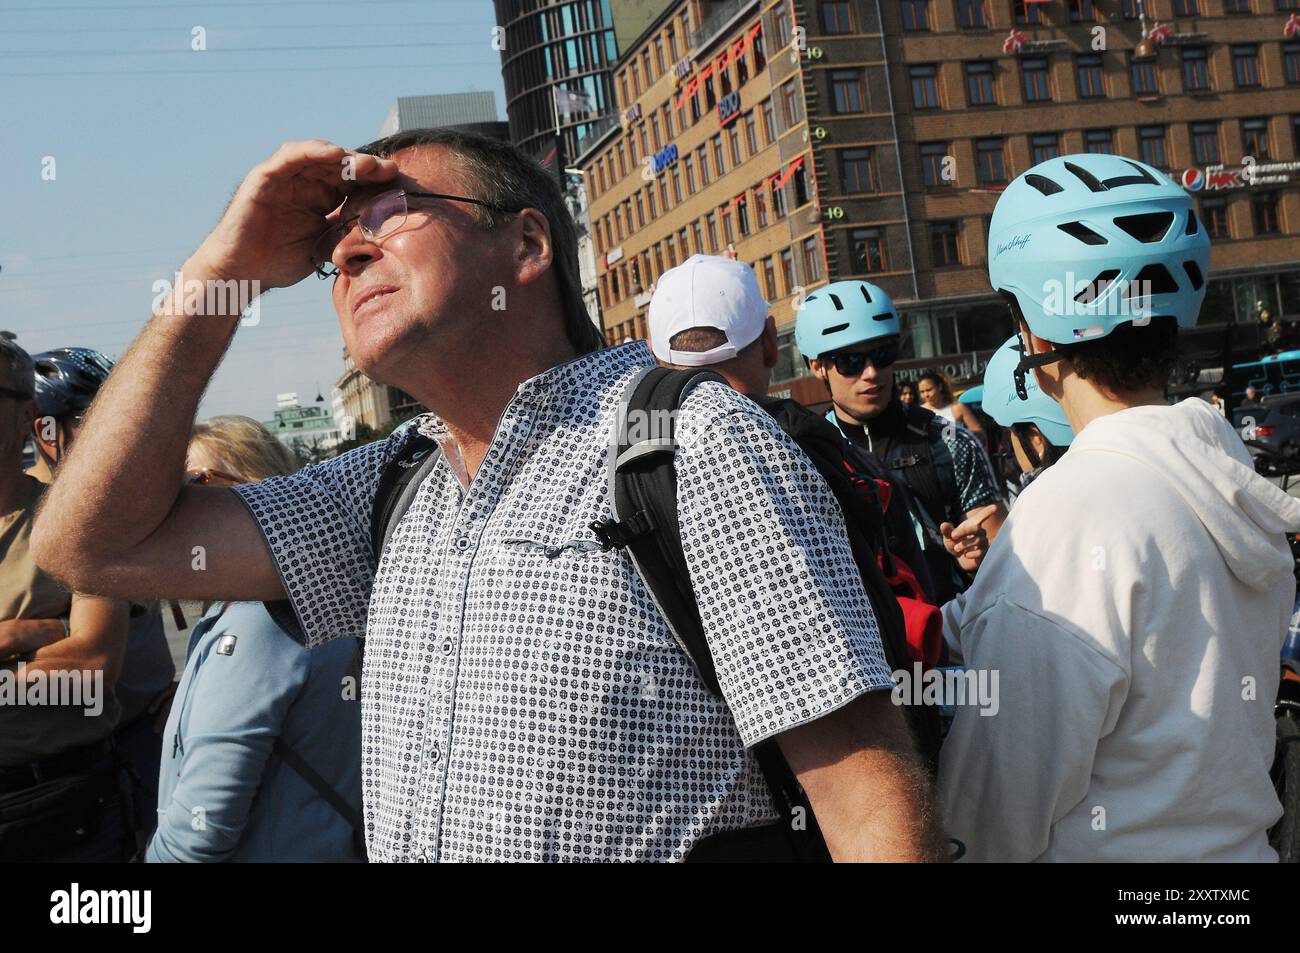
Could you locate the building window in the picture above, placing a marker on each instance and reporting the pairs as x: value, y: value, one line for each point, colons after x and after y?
x: 701, y: 156
x: 944, y: 243
x: 835, y: 17
x: 677, y: 186
x: 1081, y: 11
x: 1291, y: 62
x: 622, y: 161
x: 769, y: 122
x: 1254, y: 139
x: 1037, y: 80
x: 925, y: 87
x: 1196, y: 69
x: 1237, y: 6
x: 650, y: 196
x: 1145, y: 82
x: 718, y: 166
x: 1101, y: 141
x: 857, y: 171
x: 636, y: 81
x: 760, y: 205
x: 769, y: 279
x: 781, y: 24
x: 751, y: 133
x: 916, y: 14
x: 1295, y: 134
x: 1044, y: 146
x: 868, y: 249
x: 1214, y: 216
x: 1263, y: 207
x: 760, y: 55
x: 802, y: 194
x: 1186, y: 8
x: 979, y: 83
x: 734, y: 135
x: 1027, y: 13
x: 793, y: 103
x: 728, y: 226
x: 689, y: 165
x: 990, y: 162
x: 971, y: 14
x: 812, y: 260
x: 659, y: 54
x: 1151, y: 146
x: 934, y: 157
x: 778, y: 200
x: 787, y: 270
x: 711, y: 227
x: 1129, y: 9
x: 1092, y: 83
x: 640, y: 211
x: 846, y: 89
x: 1205, y: 143
x: 654, y: 133
x: 697, y: 233
x: 1245, y: 64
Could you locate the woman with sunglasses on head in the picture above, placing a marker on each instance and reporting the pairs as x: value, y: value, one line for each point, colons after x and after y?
x: 849, y: 333
x: 262, y: 750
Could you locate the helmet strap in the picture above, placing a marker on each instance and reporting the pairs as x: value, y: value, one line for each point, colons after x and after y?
x: 1028, y: 361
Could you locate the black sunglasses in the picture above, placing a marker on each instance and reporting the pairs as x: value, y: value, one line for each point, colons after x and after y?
x: 853, y: 363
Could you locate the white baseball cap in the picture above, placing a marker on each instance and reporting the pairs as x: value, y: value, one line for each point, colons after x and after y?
x: 706, y: 291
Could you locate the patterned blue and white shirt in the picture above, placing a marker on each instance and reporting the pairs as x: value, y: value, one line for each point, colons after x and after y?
x: 522, y: 697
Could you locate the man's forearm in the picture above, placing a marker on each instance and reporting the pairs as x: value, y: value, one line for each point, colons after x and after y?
x: 122, y: 477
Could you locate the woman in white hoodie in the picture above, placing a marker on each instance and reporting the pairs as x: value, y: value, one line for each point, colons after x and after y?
x: 1135, y: 602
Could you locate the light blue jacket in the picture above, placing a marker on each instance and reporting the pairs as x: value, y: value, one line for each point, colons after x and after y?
x: 223, y: 794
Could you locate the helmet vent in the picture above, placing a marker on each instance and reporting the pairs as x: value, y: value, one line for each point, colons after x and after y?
x: 1148, y: 227
x: 1194, y: 273
x: 1083, y: 233
x: 1094, y: 184
x: 884, y: 316
x: 1043, y: 184
x: 865, y: 293
x: 1092, y: 291
x: 835, y: 328
x: 1153, y: 279
x: 835, y: 299
x: 1193, y: 224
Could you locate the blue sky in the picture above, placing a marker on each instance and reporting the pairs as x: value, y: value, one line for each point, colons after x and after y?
x: 150, y: 138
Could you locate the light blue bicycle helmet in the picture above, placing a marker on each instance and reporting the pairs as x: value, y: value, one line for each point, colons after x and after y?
x: 1003, y: 404
x: 1086, y: 243
x: 842, y: 314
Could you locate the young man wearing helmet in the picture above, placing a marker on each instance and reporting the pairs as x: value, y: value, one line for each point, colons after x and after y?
x: 1136, y: 600
x: 849, y: 333
x: 67, y: 380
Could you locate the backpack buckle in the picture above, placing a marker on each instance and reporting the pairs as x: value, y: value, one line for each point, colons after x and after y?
x: 615, y: 534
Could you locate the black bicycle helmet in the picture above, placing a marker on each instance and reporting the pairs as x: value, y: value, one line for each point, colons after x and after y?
x: 68, y: 378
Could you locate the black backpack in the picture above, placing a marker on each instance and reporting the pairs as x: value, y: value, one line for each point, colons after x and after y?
x: 645, y: 523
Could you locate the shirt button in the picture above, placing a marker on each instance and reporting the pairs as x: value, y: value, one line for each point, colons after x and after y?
x: 447, y: 646
x: 434, y: 753
x: 463, y: 543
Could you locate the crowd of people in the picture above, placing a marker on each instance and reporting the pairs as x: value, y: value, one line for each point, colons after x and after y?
x: 511, y: 631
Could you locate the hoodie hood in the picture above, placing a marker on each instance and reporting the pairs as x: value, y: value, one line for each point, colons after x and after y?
x: 1200, y: 457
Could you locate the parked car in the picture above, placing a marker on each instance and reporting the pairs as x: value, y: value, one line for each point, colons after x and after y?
x: 1271, y: 430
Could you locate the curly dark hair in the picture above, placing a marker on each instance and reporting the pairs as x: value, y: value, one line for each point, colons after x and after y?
x: 1128, y: 359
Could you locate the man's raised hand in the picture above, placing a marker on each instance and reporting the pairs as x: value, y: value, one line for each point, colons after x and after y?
x: 283, y: 205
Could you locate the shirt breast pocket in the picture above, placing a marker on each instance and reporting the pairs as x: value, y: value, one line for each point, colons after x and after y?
x: 563, y: 587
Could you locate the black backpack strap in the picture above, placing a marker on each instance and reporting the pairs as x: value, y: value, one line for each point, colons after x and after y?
x: 322, y: 787
x: 398, y: 483
x: 643, y: 490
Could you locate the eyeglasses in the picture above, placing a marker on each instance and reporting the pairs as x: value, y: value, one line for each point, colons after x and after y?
x: 379, y: 217
x: 853, y: 363
x: 208, y: 474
